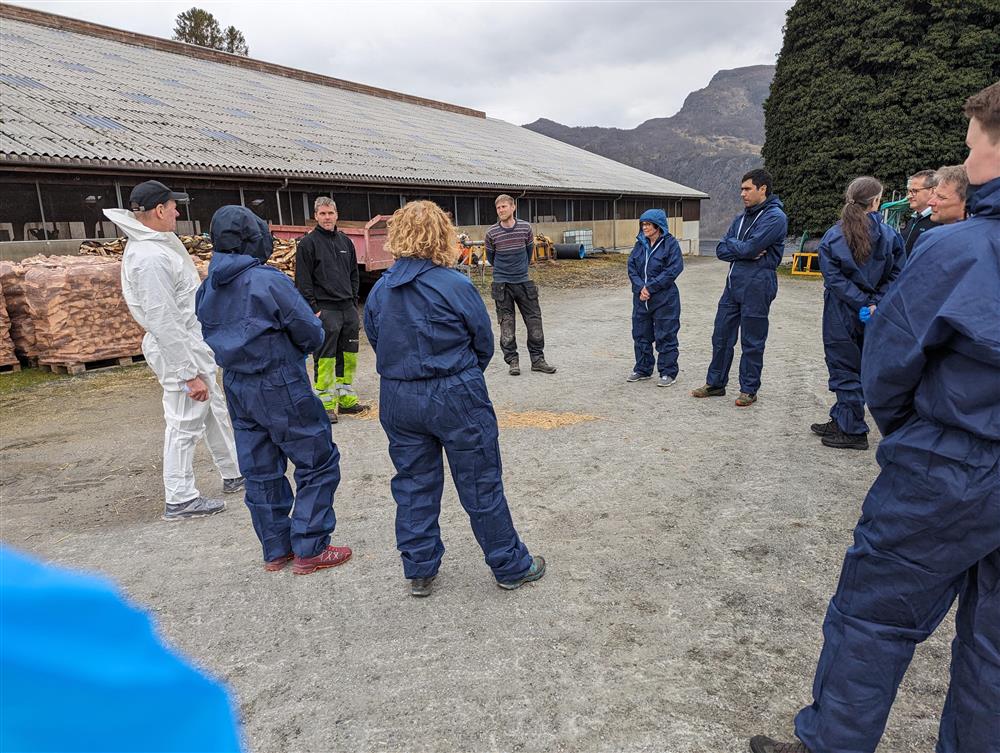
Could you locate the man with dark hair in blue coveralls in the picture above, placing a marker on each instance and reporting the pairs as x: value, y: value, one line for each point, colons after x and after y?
x: 930, y: 526
x: 433, y: 339
x: 260, y: 329
x: 753, y: 246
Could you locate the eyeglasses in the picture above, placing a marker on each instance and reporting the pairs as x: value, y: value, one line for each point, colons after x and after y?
x: 914, y: 191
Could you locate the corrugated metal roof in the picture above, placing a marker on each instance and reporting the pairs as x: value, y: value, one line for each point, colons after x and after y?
x: 71, y: 98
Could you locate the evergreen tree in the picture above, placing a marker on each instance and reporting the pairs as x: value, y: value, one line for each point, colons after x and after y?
x: 872, y: 88
x: 197, y: 26
x: 235, y: 42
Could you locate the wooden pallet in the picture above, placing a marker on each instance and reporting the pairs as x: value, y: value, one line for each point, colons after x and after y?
x: 80, y: 368
x: 9, y: 368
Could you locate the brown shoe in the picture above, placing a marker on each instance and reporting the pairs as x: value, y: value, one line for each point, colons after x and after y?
x: 761, y: 744
x: 745, y: 400
x: 332, y: 414
x: 273, y: 566
x: 708, y: 390
x: 329, y: 557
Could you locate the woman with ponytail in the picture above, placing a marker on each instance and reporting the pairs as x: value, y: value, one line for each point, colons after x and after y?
x: 860, y: 256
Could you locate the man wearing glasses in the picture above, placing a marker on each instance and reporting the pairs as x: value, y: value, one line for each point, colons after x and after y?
x: 919, y: 189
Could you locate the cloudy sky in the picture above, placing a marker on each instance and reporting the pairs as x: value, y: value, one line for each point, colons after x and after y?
x: 579, y: 63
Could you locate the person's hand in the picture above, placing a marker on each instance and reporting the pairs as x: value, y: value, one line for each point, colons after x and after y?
x: 197, y: 389
x: 760, y: 254
x: 317, y: 313
x: 644, y: 294
x: 865, y: 313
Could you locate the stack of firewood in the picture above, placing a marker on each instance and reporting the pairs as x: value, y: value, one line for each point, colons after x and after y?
x: 7, y: 355
x: 68, y: 309
x: 22, y: 327
x: 200, y: 248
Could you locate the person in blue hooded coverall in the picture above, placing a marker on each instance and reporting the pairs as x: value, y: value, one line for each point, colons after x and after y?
x: 929, y: 530
x: 260, y: 329
x: 753, y: 246
x: 433, y: 339
x: 653, y: 267
x: 81, y: 669
x: 860, y: 257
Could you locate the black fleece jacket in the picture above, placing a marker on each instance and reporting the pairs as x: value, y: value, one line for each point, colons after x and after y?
x: 326, y: 269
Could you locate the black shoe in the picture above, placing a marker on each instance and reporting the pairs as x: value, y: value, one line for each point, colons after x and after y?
x: 824, y: 430
x: 421, y: 587
x: 842, y: 441
x: 761, y: 744
x: 536, y: 571
x: 515, y: 368
x: 543, y: 367
x: 350, y: 409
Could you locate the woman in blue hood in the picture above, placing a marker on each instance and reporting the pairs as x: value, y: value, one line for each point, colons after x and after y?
x: 433, y: 339
x: 261, y: 328
x: 860, y: 257
x: 653, y: 267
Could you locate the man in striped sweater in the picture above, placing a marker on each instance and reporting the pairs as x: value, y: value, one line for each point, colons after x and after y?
x: 509, y: 245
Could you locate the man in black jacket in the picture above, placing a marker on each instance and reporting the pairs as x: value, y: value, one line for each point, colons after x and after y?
x: 919, y: 189
x: 326, y: 273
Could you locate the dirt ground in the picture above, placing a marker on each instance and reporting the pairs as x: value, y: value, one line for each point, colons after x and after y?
x: 692, y: 548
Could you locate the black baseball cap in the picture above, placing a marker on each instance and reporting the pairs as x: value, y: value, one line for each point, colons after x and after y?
x: 150, y: 194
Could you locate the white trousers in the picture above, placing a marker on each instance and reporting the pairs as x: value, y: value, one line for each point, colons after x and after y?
x: 187, y: 421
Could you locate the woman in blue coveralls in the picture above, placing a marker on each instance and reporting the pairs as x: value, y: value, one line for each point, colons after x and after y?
x: 653, y: 266
x: 860, y: 257
x: 433, y: 339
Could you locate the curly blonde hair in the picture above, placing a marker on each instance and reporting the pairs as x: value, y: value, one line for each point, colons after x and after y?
x: 421, y: 230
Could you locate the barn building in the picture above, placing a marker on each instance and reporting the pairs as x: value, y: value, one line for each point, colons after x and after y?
x: 88, y: 111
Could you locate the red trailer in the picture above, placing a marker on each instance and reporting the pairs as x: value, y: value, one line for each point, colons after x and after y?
x: 369, y: 241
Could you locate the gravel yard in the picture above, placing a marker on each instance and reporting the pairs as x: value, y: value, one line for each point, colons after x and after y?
x: 692, y: 548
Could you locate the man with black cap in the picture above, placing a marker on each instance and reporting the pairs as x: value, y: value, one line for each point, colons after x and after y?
x: 159, y: 282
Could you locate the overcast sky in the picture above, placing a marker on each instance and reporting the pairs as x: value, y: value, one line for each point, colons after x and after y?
x: 579, y: 63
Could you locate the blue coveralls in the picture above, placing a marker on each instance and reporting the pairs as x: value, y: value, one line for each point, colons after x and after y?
x: 659, y: 318
x: 260, y: 329
x: 433, y: 339
x: 930, y: 525
x: 849, y: 286
x: 751, y: 285
x: 81, y: 669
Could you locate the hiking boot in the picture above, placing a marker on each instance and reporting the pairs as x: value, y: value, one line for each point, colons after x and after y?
x: 761, y: 744
x: 665, y: 381
x: 421, y: 587
x: 543, y: 367
x: 745, y: 400
x: 351, y: 409
x: 842, y: 441
x: 708, y: 390
x: 824, y: 430
x: 273, y: 566
x: 536, y: 571
x: 332, y: 415
x: 635, y: 376
x: 329, y: 557
x: 199, y: 507
x: 233, y: 485
x: 515, y: 368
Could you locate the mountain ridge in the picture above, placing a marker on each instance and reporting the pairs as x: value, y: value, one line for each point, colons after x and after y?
x: 708, y: 144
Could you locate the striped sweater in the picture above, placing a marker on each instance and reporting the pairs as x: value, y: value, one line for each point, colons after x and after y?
x: 509, y: 251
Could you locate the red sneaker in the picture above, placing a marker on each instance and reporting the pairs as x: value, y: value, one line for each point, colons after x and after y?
x: 272, y: 566
x: 329, y: 557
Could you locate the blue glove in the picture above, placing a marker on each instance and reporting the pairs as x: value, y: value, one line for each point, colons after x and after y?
x: 865, y: 314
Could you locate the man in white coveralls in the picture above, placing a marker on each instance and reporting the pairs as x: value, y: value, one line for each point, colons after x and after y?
x: 159, y: 282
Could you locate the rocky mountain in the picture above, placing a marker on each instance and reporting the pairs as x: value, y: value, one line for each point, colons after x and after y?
x: 709, y: 144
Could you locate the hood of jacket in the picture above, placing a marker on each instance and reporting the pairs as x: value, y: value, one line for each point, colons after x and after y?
x: 237, y: 230
x: 406, y: 270
x: 133, y: 229
x: 984, y: 200
x: 226, y: 267
x: 658, y: 217
x: 771, y: 201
